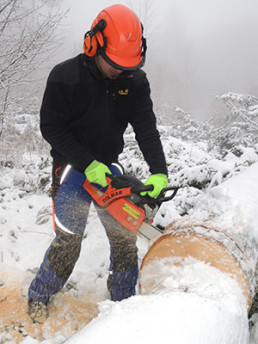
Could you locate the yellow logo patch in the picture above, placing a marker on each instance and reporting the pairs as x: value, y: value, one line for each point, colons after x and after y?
x: 131, y: 211
x: 123, y: 92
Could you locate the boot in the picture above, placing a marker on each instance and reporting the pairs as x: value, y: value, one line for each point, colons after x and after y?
x: 38, y: 311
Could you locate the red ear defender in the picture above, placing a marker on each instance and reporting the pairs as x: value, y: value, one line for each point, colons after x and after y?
x: 90, y: 46
x: 94, y: 39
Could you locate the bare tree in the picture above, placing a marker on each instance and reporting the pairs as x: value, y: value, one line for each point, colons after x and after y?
x: 28, y: 33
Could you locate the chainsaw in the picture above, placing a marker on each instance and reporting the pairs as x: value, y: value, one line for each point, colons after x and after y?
x: 123, y: 200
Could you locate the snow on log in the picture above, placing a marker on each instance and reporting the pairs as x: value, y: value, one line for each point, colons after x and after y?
x: 221, y: 232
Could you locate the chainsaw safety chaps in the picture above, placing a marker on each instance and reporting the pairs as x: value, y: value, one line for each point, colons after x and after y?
x: 72, y: 206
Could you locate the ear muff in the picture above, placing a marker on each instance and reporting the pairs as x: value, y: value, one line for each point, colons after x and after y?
x: 95, y: 39
x: 90, y: 45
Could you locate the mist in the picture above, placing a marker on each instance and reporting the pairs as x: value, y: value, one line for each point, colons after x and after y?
x: 196, y: 49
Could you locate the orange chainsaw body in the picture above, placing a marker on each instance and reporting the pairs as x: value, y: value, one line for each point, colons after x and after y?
x: 118, y: 205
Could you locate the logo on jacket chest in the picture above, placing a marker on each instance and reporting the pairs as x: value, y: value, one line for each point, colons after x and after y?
x: 124, y: 92
x: 118, y: 93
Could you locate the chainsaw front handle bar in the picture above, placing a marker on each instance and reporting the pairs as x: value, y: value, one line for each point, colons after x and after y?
x: 162, y: 196
x: 124, y: 181
x: 158, y: 200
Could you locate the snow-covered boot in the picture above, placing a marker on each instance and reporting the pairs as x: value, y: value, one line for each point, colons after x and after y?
x: 38, y: 311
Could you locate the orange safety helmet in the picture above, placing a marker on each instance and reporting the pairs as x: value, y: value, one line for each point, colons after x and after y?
x: 117, y: 35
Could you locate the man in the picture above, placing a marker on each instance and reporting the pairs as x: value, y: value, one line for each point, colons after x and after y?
x: 88, y: 103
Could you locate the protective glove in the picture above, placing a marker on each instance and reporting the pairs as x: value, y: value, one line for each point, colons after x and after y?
x: 96, y: 173
x: 159, y: 182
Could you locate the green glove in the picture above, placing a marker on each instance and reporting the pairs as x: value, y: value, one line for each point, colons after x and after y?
x: 159, y: 182
x: 96, y: 173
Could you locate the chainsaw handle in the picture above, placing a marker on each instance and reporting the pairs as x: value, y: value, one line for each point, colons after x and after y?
x: 162, y: 198
x: 120, y: 182
x: 125, y: 181
x: 141, y: 188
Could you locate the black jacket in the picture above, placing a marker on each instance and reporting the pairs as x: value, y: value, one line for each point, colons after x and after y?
x: 83, y: 115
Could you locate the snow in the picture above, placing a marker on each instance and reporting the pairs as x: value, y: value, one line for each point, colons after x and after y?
x: 177, y: 317
x: 235, y: 201
x: 192, y: 303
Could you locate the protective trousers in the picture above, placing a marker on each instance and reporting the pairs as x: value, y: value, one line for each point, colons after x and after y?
x: 72, y: 206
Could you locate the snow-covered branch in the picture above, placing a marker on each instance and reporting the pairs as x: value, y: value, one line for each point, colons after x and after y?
x: 28, y: 38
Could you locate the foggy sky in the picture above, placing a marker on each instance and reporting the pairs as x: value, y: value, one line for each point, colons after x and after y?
x: 196, y: 49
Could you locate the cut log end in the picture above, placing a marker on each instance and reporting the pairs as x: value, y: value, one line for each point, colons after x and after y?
x: 199, y: 247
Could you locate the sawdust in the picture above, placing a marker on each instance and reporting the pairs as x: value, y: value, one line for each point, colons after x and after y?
x: 67, y: 313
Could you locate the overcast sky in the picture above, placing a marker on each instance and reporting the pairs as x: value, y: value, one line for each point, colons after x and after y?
x: 196, y: 48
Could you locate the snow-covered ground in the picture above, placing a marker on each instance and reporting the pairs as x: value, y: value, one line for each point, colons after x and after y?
x: 211, y: 310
